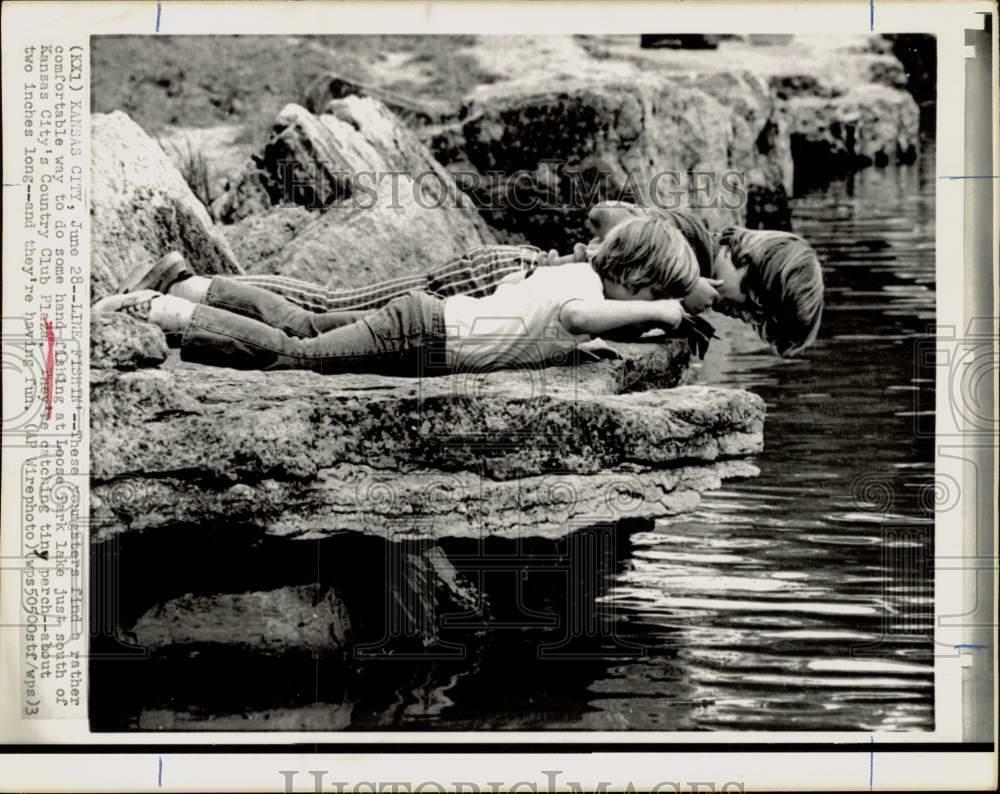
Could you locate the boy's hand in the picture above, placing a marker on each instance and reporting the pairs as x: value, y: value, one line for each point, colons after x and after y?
x: 670, y: 313
x: 552, y: 258
x: 702, y: 296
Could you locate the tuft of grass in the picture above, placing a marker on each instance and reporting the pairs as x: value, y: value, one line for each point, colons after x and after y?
x: 195, y: 168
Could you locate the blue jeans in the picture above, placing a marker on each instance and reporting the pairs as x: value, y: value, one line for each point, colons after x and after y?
x: 246, y: 327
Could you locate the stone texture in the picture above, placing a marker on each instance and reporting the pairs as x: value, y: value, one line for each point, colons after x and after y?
x: 327, y: 89
x: 315, y: 717
x: 301, y: 454
x: 760, y: 151
x: 304, y: 619
x: 231, y: 425
x: 379, y: 204
x: 583, y: 140
x: 314, y: 161
x: 395, y: 232
x: 869, y: 124
x: 141, y: 207
x: 601, y: 131
x: 304, y: 162
x: 260, y: 237
x: 425, y: 504
x: 118, y: 341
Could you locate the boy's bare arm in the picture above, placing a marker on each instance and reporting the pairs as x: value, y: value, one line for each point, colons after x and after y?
x: 598, y: 317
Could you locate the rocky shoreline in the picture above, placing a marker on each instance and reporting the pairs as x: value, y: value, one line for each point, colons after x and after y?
x: 414, y: 465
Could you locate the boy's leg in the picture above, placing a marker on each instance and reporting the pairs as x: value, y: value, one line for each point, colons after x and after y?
x: 315, y: 298
x: 327, y: 321
x: 233, y: 295
x: 476, y: 272
x: 479, y: 271
x: 404, y: 338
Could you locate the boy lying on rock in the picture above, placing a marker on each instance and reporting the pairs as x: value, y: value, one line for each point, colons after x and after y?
x: 637, y: 275
x: 769, y: 279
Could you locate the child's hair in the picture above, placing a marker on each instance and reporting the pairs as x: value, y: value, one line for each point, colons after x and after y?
x: 783, y: 285
x: 648, y: 252
x: 695, y: 232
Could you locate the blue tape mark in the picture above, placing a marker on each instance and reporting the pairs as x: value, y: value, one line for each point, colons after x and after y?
x: 871, y: 14
x: 871, y: 765
x: 970, y: 176
x: 157, y: 17
x: 159, y: 773
x: 970, y: 645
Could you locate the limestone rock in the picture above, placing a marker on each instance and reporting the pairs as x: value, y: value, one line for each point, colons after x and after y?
x: 786, y: 85
x: 141, y: 208
x: 870, y: 124
x: 349, y: 158
x: 314, y: 717
x: 260, y: 237
x: 378, y: 203
x: 303, y: 618
x: 300, y: 454
x: 760, y: 152
x: 558, y: 149
x: 330, y: 87
x: 303, y: 162
x: 395, y: 232
x: 432, y: 504
x: 118, y: 341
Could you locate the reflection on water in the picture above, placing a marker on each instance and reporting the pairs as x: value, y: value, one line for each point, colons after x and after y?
x: 800, y: 600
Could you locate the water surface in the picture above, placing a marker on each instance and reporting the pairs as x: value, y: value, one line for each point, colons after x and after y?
x: 799, y: 600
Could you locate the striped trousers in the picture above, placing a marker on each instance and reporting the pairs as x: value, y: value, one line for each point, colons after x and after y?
x: 477, y: 272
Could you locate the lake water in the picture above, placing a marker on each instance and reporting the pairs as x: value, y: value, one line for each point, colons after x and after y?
x: 799, y: 600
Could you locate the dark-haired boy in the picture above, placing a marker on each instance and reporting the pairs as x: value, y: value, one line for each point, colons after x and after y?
x: 771, y: 280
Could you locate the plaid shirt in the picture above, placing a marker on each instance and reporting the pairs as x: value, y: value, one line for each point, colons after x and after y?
x: 477, y: 272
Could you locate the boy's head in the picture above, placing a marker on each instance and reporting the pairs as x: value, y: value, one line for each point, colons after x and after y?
x: 604, y: 216
x: 645, y: 258
x: 772, y: 280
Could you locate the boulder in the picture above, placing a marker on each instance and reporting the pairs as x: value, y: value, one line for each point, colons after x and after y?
x: 871, y: 123
x: 786, y: 85
x: 542, y: 154
x: 304, y: 162
x: 343, y: 157
x: 760, y: 148
x: 118, y: 341
x: 397, y: 231
x: 260, y: 237
x: 378, y: 203
x: 302, y: 455
x: 303, y: 618
x: 141, y: 208
x: 328, y: 88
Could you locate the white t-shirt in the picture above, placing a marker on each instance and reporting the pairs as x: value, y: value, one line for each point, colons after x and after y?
x: 518, y: 325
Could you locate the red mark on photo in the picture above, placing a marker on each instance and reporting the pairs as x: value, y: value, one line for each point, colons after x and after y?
x: 50, y: 366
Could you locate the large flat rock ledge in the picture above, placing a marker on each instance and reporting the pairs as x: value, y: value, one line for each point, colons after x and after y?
x: 301, y: 455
